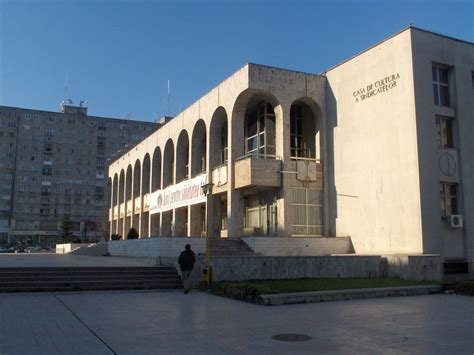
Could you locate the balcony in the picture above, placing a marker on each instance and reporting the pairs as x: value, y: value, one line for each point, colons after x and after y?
x: 137, y: 205
x: 219, y: 178
x: 257, y: 171
x: 129, y: 207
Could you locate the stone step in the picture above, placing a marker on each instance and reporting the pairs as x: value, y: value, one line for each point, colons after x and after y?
x: 97, y: 249
x: 66, y: 288
x: 93, y: 278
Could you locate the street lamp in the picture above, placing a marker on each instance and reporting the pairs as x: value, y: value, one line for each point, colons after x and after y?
x: 207, y: 190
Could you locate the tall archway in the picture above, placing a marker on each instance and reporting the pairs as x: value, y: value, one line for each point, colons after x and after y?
x: 136, y: 179
x: 198, y: 147
x: 121, y: 195
x: 146, y: 174
x: 128, y: 184
x: 121, y: 198
x: 156, y: 170
x: 168, y: 164
x: 136, y: 205
x: 182, y: 157
x: 128, y: 200
x: 218, y: 138
x: 309, y: 202
x: 255, y: 116
x: 145, y: 215
x: 305, y: 129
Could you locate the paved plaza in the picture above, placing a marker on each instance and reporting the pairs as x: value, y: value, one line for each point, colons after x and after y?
x: 199, y: 323
x: 69, y: 260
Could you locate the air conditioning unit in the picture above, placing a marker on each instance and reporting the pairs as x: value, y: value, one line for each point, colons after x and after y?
x: 455, y: 221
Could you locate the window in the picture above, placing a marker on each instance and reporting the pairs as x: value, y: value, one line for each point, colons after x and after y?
x: 307, y: 210
x: 440, y: 86
x: 261, y: 213
x: 444, y: 132
x: 296, y: 131
x: 448, y: 194
x: 224, y: 148
x: 260, y: 130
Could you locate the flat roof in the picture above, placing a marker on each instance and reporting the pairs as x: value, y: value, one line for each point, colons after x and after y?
x: 410, y: 27
x: 77, y: 115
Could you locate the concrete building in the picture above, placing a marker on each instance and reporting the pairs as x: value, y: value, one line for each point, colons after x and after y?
x: 378, y: 148
x: 54, y: 164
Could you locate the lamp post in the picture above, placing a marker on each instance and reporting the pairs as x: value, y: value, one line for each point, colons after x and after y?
x: 207, y: 190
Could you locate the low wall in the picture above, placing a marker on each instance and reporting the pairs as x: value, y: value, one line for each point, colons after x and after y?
x: 412, y: 267
x: 68, y: 247
x: 166, y: 247
x: 418, y: 267
x: 293, y: 267
x: 165, y: 250
x: 299, y: 246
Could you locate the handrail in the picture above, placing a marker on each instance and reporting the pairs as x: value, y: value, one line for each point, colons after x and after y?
x: 258, y: 156
x: 305, y: 159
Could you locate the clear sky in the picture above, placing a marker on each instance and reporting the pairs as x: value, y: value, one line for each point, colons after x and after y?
x: 118, y: 55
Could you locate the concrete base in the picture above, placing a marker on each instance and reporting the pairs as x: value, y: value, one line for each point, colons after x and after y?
x: 299, y: 246
x: 340, y: 266
x: 342, y: 295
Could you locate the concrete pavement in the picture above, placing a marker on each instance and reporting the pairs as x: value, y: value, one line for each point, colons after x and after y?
x: 198, y: 323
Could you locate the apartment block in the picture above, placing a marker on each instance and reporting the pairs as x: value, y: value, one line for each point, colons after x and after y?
x: 53, y: 167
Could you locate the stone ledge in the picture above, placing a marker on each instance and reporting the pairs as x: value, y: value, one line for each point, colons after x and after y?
x: 340, y: 295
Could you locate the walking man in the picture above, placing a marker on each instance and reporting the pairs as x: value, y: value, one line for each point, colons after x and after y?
x: 186, y: 261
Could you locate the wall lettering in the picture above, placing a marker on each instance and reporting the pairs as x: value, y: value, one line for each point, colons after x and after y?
x: 377, y: 87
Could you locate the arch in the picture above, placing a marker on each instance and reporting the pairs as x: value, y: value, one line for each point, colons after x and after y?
x: 218, y: 138
x: 168, y: 164
x: 136, y: 179
x: 182, y: 157
x: 305, y: 129
x: 121, y: 194
x: 198, y: 148
x: 258, y: 111
x: 114, y: 190
x: 128, y: 183
x: 146, y: 174
x: 156, y: 170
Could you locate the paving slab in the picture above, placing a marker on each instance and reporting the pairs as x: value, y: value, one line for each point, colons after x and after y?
x: 199, y: 323
x: 68, y: 260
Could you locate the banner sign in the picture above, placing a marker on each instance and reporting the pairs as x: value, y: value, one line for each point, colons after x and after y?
x: 188, y: 192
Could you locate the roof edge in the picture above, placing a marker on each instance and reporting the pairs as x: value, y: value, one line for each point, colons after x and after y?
x: 409, y: 27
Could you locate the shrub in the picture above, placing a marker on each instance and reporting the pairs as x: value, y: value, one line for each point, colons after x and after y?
x: 115, y: 237
x: 244, y: 291
x: 132, y: 234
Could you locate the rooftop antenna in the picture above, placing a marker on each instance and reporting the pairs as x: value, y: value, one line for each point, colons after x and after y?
x: 65, y: 87
x: 168, y: 100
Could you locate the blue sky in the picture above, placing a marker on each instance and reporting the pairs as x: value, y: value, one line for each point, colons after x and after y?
x: 118, y: 55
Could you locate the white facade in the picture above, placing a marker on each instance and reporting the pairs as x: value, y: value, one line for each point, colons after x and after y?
x: 369, y: 149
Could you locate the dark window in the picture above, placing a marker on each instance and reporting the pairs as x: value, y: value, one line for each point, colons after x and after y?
x: 440, y: 86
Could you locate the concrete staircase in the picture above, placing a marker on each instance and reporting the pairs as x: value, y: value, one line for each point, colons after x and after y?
x: 42, y: 279
x: 98, y: 249
x: 229, y: 247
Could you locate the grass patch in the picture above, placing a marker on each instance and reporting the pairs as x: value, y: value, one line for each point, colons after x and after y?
x: 252, y: 290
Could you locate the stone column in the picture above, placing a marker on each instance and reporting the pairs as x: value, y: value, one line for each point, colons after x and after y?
x: 235, y: 201
x: 282, y: 123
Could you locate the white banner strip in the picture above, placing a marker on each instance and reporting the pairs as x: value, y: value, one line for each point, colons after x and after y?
x: 188, y: 192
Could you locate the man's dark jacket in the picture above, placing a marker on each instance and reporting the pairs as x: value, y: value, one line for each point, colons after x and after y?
x: 186, y: 260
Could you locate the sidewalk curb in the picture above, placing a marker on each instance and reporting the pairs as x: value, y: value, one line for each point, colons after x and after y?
x: 351, y: 294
